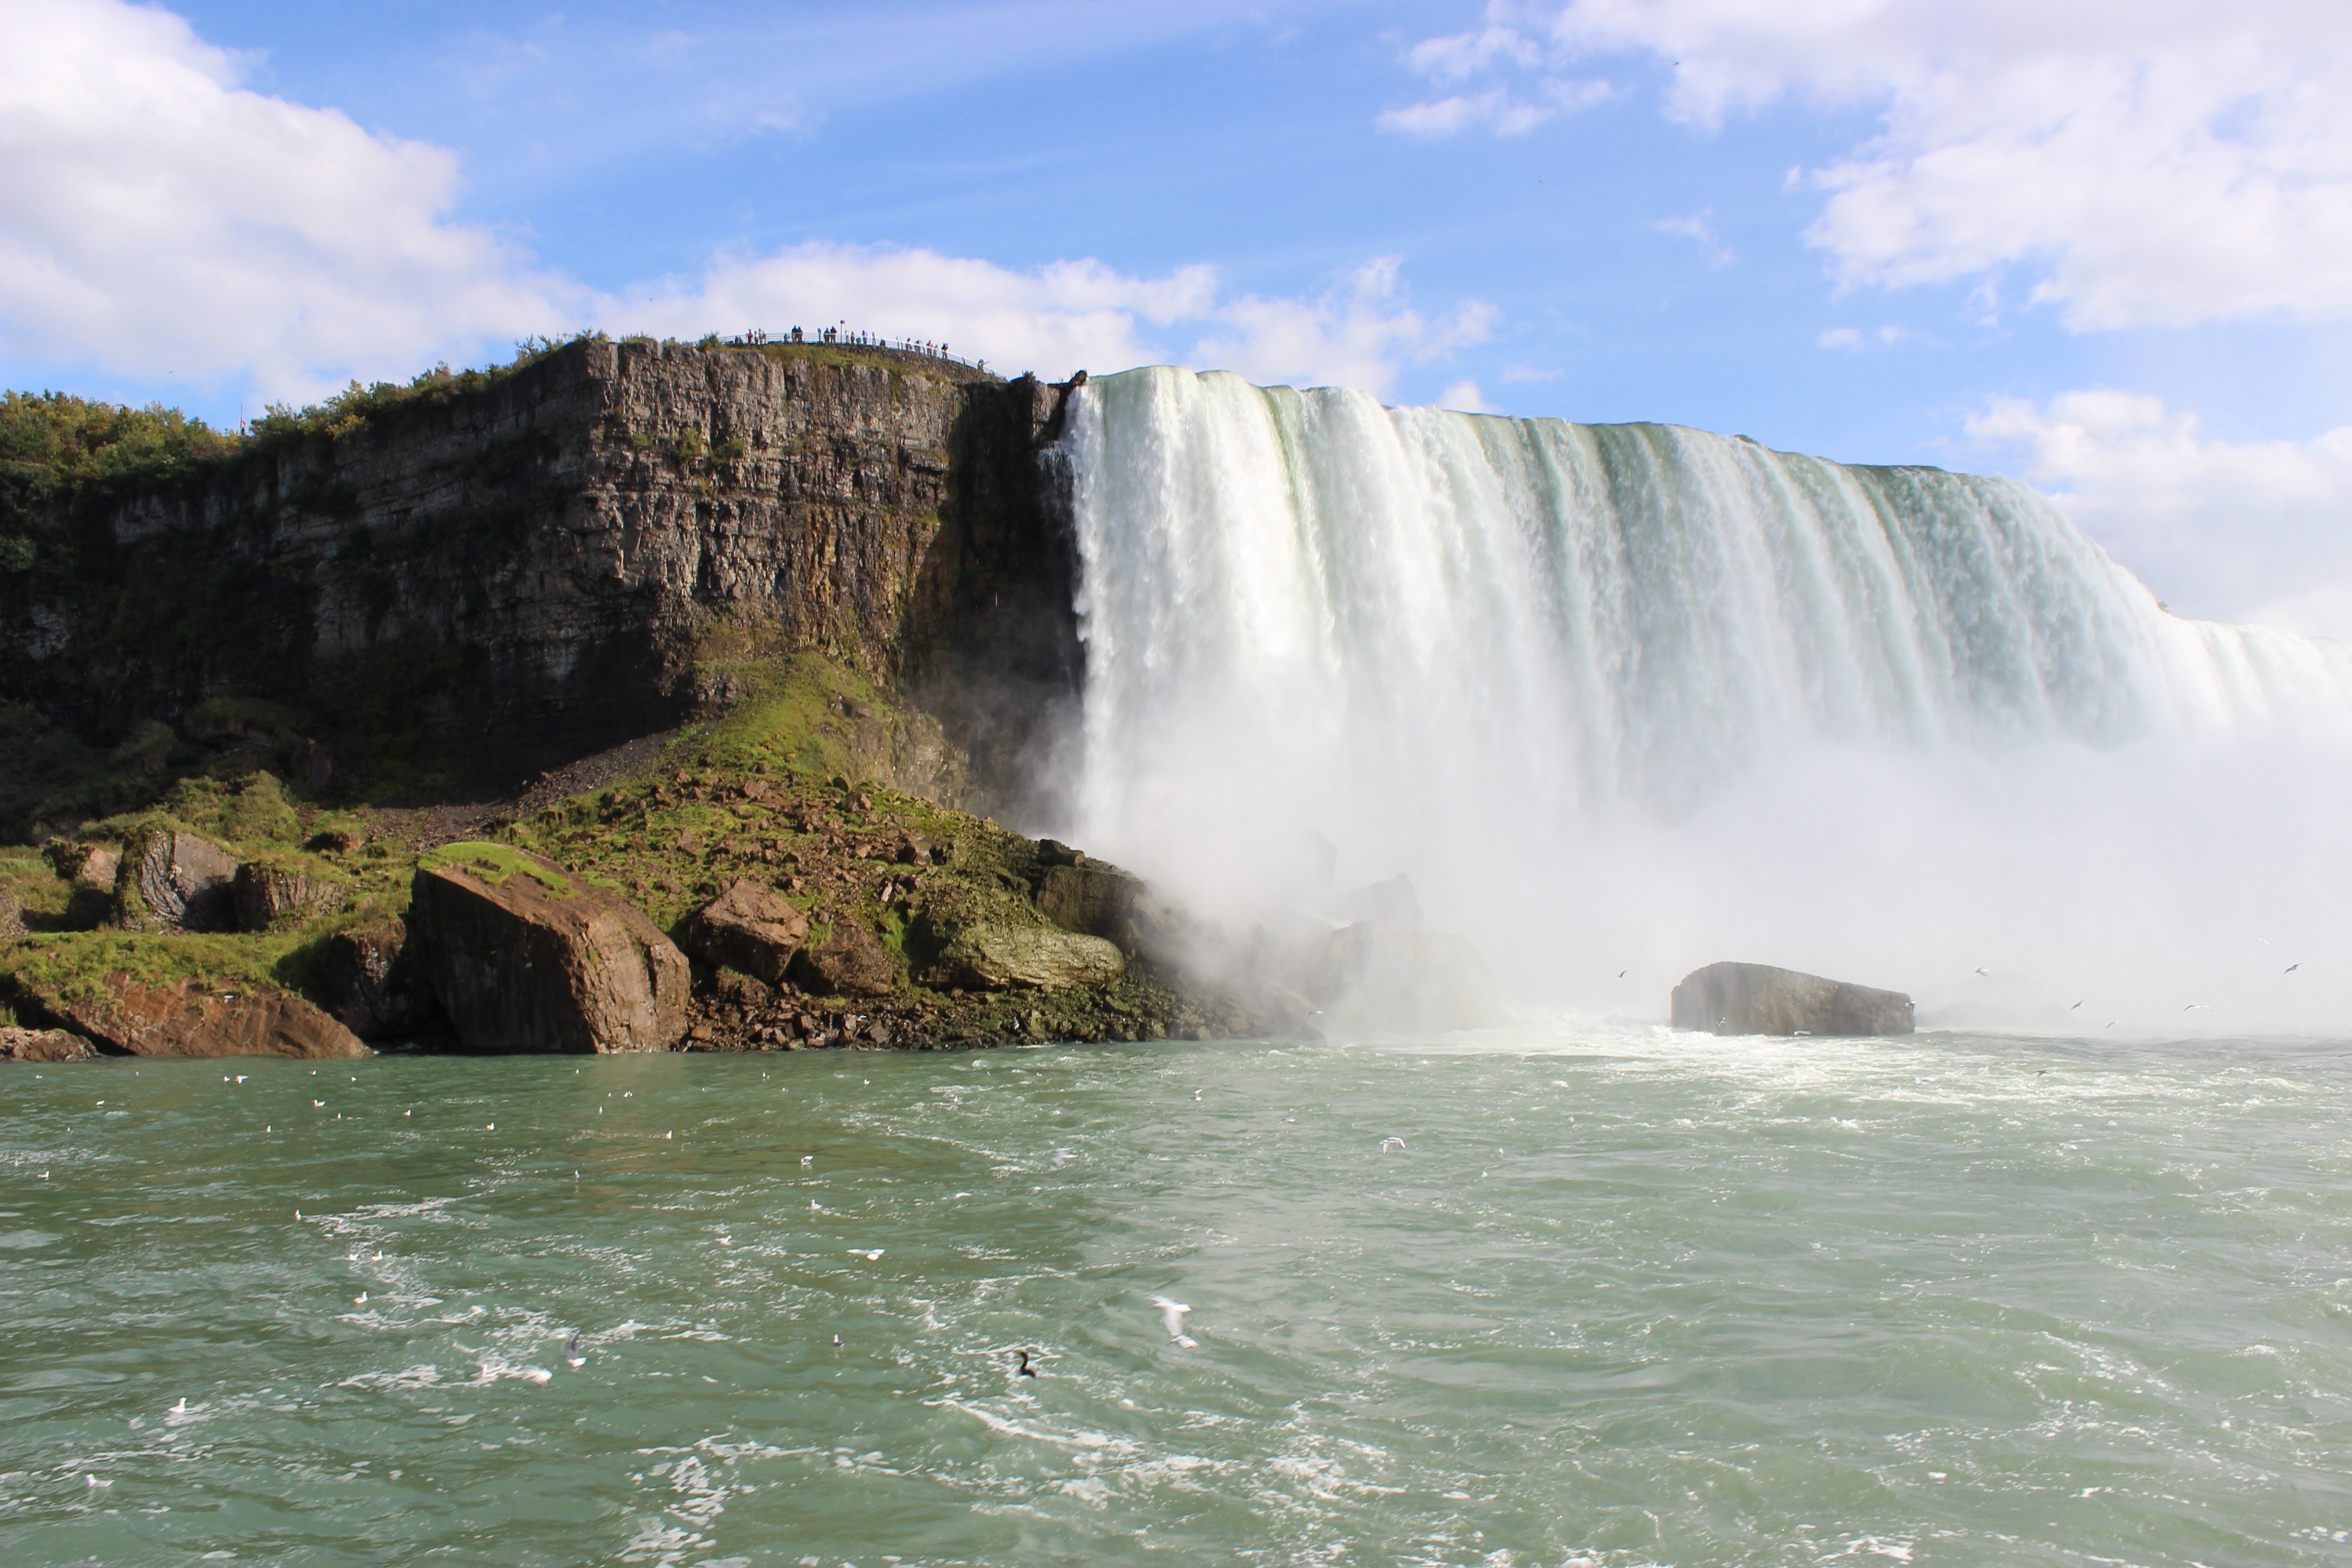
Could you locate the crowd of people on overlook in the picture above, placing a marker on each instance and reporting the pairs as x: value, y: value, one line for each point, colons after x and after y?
x: 842, y: 335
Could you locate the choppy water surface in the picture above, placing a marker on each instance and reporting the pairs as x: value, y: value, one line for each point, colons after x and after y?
x: 1620, y: 1298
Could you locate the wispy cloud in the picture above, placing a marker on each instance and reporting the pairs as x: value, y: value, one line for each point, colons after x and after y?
x: 1855, y: 339
x: 1699, y: 226
x: 1505, y: 110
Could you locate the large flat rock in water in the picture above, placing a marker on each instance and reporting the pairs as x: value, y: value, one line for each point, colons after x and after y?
x: 1758, y: 999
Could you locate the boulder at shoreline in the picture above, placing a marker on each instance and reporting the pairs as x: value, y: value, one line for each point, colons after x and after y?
x: 747, y: 927
x: 1758, y: 999
x: 523, y: 956
x: 44, y: 1045
x: 195, y: 1017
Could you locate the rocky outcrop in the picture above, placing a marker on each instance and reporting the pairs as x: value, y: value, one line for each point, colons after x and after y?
x: 748, y: 926
x: 1004, y: 957
x: 204, y: 1019
x: 266, y: 892
x: 1758, y: 999
x: 12, y: 917
x: 44, y: 1045
x: 374, y: 986
x: 521, y: 956
x: 849, y: 962
x: 172, y: 879
x: 1099, y: 900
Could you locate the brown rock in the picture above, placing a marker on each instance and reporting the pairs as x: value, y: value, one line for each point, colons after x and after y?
x: 12, y: 917
x: 84, y: 864
x: 265, y: 893
x: 206, y: 1018
x: 44, y: 1045
x: 1096, y: 899
x: 1758, y: 999
x: 914, y: 850
x: 523, y: 956
x: 748, y: 926
x: 172, y: 879
x: 374, y: 984
x: 849, y: 963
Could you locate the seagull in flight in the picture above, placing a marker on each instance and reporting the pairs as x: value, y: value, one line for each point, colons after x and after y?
x: 1172, y: 1314
x: 2194, y: 1005
x: 572, y: 1356
x: 2290, y: 969
x: 1386, y: 1142
x: 2076, y: 1005
x: 1980, y: 970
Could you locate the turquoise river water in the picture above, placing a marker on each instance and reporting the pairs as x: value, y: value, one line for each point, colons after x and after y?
x: 1616, y: 1297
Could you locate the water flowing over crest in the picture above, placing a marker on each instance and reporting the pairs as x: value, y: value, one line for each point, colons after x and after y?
x: 1638, y: 697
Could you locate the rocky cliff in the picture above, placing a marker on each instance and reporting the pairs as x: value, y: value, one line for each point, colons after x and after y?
x: 480, y: 579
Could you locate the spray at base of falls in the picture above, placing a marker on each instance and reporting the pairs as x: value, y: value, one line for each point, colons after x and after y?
x: 1636, y: 698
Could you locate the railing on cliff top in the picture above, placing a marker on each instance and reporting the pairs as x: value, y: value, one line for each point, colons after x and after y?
x: 843, y: 337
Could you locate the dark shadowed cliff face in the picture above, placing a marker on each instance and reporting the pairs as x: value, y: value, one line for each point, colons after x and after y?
x: 471, y: 586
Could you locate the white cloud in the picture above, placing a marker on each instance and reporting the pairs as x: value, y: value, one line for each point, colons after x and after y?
x: 2141, y: 161
x: 1699, y: 228
x: 157, y: 218
x: 1457, y: 57
x: 1069, y: 315
x: 1853, y: 339
x: 1465, y: 397
x: 1353, y: 335
x: 2213, y: 526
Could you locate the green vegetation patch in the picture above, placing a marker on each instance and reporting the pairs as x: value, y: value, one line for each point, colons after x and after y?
x: 85, y: 966
x: 494, y: 863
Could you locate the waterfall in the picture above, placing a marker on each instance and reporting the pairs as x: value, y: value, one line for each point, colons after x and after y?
x: 1659, y: 692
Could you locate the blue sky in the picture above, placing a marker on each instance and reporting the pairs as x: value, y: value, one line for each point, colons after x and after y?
x: 2109, y: 251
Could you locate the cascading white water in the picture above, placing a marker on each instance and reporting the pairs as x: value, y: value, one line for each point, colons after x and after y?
x: 1637, y: 697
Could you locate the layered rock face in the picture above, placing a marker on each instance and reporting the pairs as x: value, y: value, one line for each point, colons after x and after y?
x: 1758, y: 999
x: 584, y: 550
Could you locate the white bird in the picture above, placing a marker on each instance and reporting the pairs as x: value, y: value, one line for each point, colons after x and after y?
x: 1980, y: 970
x: 95, y: 1484
x: 360, y: 1299
x: 2194, y: 1005
x: 1172, y: 1314
x: 871, y: 1256
x: 182, y: 1407
x: 808, y: 1159
x: 1196, y: 1094
x: 572, y: 1356
x: 2290, y: 969
x: 320, y: 1103
x: 1386, y: 1142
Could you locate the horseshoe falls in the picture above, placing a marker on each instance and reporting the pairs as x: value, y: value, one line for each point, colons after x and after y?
x: 1625, y: 700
